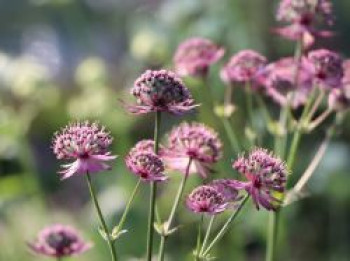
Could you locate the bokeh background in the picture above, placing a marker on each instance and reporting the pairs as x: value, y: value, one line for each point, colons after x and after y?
x: 62, y: 60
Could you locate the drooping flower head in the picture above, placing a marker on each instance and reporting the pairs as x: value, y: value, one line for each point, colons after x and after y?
x: 279, y: 80
x: 59, y: 241
x: 85, y: 143
x: 303, y: 18
x: 327, y: 68
x: 266, y: 175
x: 206, y: 199
x: 161, y: 91
x: 243, y: 67
x: 193, y: 141
x: 194, y: 56
x: 143, y: 162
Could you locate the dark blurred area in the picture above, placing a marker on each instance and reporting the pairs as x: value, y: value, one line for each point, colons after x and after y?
x: 62, y: 60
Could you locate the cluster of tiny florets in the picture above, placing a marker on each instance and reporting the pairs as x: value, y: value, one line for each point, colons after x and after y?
x: 59, y: 241
x: 161, y: 91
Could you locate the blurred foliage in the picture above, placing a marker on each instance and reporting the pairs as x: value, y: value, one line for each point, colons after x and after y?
x: 62, y: 60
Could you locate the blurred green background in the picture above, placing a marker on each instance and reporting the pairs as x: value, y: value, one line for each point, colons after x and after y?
x: 62, y: 60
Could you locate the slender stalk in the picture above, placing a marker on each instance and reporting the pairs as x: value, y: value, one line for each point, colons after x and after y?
x: 153, y: 193
x: 272, y: 236
x: 199, y: 238
x: 249, y: 102
x: 206, y: 238
x: 231, y: 135
x: 100, y: 216
x: 127, y: 207
x: 316, y: 122
x: 170, y: 220
x: 228, y: 95
x: 226, y: 226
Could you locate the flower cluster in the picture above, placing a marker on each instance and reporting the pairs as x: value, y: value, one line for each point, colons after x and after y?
x: 266, y: 177
x: 160, y: 91
x: 195, y: 55
x: 87, y: 144
x: 143, y: 162
x: 195, y: 142
x: 302, y: 17
x: 59, y: 241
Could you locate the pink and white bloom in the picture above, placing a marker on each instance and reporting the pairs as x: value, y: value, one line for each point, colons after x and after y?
x: 195, y: 142
x: 206, y: 199
x: 327, y: 68
x: 59, y: 241
x: 194, y: 56
x: 303, y: 19
x: 279, y: 80
x: 160, y: 91
x: 266, y: 175
x: 339, y: 98
x: 85, y: 143
x: 143, y: 162
x: 243, y: 67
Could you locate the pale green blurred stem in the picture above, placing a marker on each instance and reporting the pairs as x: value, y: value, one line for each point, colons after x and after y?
x: 249, y: 103
x: 225, y: 227
x: 127, y: 207
x: 170, y: 220
x: 101, y: 218
x: 199, y: 238
x: 153, y: 193
x: 231, y: 135
x: 272, y: 235
x: 207, y: 234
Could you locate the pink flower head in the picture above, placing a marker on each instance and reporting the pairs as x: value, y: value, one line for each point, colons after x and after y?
x: 243, y: 67
x: 161, y: 91
x: 59, y: 241
x: 143, y: 145
x: 339, y: 99
x: 87, y: 144
x: 279, y: 79
x: 143, y: 162
x: 206, y: 199
x: 266, y: 175
x: 193, y: 141
x: 327, y: 68
x: 194, y: 56
x: 303, y: 17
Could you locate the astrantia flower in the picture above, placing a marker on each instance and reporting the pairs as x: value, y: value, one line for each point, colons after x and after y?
x: 279, y: 79
x: 243, y: 67
x: 193, y: 141
x: 160, y: 91
x: 194, y: 56
x: 225, y: 187
x: 327, y: 68
x: 206, y: 199
x: 303, y: 17
x: 339, y: 98
x: 266, y: 175
x: 85, y: 143
x: 145, y: 164
x: 143, y: 145
x: 59, y: 241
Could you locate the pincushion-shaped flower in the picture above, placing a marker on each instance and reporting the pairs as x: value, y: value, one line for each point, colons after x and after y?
x: 143, y: 145
x: 142, y: 161
x: 59, y: 241
x: 243, y: 67
x: 195, y: 142
x: 327, y: 68
x: 85, y: 143
x: 161, y: 91
x: 279, y: 80
x: 225, y: 187
x: 207, y: 199
x: 266, y: 175
x: 303, y: 17
x: 194, y: 56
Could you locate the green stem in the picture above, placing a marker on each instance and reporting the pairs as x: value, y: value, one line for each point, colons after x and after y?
x: 226, y: 225
x: 206, y: 238
x: 170, y: 220
x: 127, y: 207
x: 100, y: 216
x: 272, y: 235
x: 231, y: 135
x: 199, y: 238
x: 153, y: 193
x: 249, y: 102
